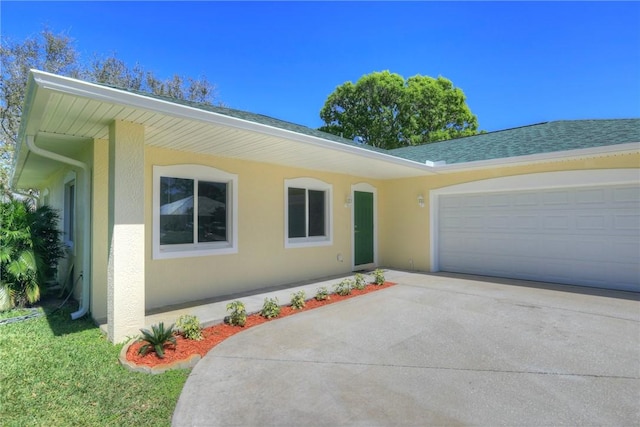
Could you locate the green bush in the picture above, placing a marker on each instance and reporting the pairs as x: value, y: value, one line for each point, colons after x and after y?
x: 30, y: 248
x: 157, y: 339
x: 270, y: 308
x: 298, y: 300
x: 238, y: 316
x: 190, y: 327
x: 378, y: 277
x: 344, y: 288
x: 359, y: 282
x: 322, y: 294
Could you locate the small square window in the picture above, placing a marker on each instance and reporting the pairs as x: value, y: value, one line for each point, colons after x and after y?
x: 308, y: 214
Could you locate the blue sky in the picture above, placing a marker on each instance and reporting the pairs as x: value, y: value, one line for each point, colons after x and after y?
x: 518, y: 63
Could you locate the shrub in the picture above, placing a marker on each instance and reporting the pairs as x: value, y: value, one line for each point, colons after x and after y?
x: 238, y: 316
x: 30, y: 248
x: 298, y: 300
x: 359, y: 282
x: 344, y: 288
x: 190, y: 327
x: 378, y: 277
x: 157, y: 339
x: 270, y: 308
x: 322, y: 294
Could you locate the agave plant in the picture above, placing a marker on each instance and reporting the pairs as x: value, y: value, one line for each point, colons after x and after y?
x: 157, y: 339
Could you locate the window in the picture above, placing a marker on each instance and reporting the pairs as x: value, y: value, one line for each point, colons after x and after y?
x: 69, y: 211
x: 308, y: 219
x: 195, y: 211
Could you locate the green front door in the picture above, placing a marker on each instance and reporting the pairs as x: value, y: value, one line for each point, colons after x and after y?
x: 363, y: 227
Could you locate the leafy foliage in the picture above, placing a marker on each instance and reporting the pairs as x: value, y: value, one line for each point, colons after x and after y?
x: 238, y: 314
x: 30, y: 248
x: 189, y: 327
x: 56, y: 53
x: 298, y: 300
x: 387, y: 111
x: 322, y: 294
x: 157, y: 339
x: 344, y: 287
x: 359, y: 282
x: 270, y: 308
x: 378, y: 276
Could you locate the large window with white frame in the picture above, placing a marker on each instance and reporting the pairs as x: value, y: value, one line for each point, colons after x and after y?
x: 308, y: 219
x: 194, y: 211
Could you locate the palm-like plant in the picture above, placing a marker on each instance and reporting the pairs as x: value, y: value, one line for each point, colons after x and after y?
x: 30, y: 249
x: 18, y: 267
x: 157, y: 339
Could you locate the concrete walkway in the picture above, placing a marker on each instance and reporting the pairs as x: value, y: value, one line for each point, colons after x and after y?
x: 213, y: 312
x: 434, y: 350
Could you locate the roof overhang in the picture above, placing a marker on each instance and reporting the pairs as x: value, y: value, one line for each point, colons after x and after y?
x: 64, y: 114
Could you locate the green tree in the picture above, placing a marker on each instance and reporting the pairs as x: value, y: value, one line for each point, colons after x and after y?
x: 56, y: 53
x: 387, y: 111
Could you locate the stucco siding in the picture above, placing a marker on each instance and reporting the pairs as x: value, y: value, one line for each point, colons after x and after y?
x: 262, y: 259
x: 100, y: 224
x: 405, y: 231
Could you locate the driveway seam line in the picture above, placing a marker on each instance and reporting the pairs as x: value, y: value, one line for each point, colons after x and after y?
x: 444, y: 368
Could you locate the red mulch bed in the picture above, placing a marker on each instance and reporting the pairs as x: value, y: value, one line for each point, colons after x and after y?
x: 215, y: 334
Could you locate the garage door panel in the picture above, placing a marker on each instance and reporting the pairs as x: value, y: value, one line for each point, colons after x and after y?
x: 627, y: 221
x: 628, y: 195
x: 585, y: 236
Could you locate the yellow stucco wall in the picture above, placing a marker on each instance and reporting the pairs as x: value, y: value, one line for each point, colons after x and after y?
x: 262, y: 259
x: 405, y: 231
x: 100, y: 234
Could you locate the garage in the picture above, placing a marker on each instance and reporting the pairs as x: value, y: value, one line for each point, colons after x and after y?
x: 578, y: 235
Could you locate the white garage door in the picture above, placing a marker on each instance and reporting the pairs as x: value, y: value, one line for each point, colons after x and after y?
x: 583, y: 236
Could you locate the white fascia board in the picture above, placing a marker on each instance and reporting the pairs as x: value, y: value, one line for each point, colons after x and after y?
x: 20, y: 153
x: 117, y: 96
x: 576, y: 154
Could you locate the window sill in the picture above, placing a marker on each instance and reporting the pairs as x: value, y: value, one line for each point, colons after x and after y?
x: 306, y: 243
x: 193, y: 252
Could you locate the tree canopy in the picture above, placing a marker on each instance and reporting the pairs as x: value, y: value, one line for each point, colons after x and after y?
x: 387, y: 111
x: 56, y: 53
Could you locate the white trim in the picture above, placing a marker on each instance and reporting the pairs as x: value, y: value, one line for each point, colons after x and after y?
x: 45, y: 198
x: 65, y: 85
x: 69, y: 226
x: 309, y: 184
x: 365, y: 188
x: 97, y: 92
x: 565, y: 155
x: 196, y: 172
x: 534, y: 181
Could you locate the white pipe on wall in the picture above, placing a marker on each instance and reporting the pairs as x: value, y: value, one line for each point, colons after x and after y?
x: 86, y: 195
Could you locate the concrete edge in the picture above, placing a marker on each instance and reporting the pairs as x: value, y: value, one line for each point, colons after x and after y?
x: 188, y: 363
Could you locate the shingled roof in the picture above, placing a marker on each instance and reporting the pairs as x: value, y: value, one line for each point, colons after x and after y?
x: 540, y: 138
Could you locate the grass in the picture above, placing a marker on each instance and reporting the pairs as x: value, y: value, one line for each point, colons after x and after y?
x: 55, y: 371
x: 13, y: 313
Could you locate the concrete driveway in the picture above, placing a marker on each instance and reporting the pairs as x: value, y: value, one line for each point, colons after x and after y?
x: 433, y: 350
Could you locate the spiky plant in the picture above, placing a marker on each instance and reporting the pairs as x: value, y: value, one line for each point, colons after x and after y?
x: 157, y: 339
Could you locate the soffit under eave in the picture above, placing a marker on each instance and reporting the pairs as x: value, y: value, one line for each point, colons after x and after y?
x: 62, y: 114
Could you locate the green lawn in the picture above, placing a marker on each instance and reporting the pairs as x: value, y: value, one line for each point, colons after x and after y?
x: 59, y: 372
